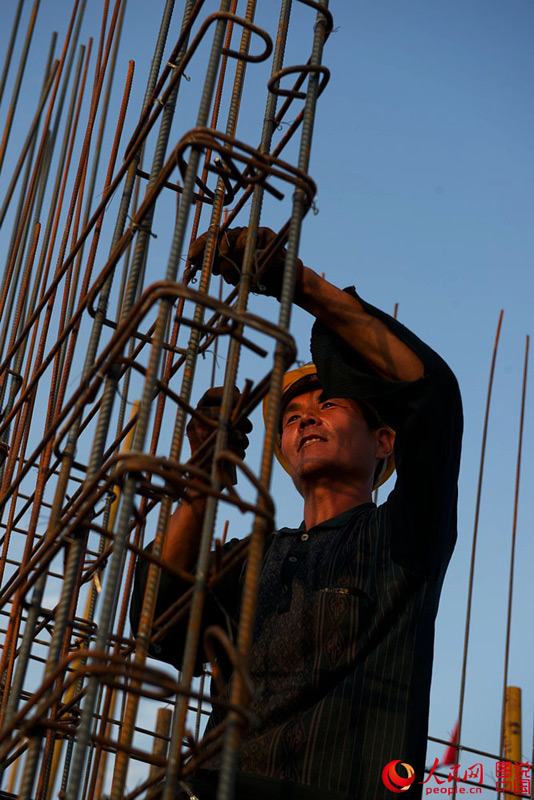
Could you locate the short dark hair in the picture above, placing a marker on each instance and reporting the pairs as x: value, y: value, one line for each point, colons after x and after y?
x: 374, y: 422
x: 372, y: 418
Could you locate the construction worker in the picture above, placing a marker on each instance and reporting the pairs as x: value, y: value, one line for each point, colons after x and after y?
x: 342, y: 653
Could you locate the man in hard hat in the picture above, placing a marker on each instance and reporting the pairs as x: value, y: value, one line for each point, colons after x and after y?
x: 343, y: 642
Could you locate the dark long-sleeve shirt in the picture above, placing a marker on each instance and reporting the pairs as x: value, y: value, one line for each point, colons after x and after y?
x: 342, y: 652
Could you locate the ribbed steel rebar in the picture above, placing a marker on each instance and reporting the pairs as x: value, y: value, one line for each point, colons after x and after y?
x: 65, y: 411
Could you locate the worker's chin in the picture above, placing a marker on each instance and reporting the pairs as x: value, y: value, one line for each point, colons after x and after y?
x: 312, y: 469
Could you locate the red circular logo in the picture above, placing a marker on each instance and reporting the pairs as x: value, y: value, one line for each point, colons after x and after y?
x: 395, y: 782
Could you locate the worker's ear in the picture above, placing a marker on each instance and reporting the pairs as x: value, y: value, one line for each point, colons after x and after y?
x: 385, y: 440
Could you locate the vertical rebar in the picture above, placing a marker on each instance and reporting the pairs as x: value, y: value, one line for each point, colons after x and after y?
x: 513, y: 541
x: 18, y: 81
x: 474, y: 541
x: 9, y: 50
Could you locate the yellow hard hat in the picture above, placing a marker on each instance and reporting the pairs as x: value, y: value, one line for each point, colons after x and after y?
x: 305, y: 379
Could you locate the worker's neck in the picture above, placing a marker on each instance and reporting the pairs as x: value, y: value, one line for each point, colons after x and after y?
x: 325, y: 500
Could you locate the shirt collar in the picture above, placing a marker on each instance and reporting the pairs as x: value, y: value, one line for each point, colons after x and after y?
x: 339, y: 521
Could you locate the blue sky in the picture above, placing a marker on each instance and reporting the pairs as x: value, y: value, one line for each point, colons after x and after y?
x: 423, y: 158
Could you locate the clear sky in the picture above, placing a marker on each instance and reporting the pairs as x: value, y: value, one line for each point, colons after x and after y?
x: 424, y: 162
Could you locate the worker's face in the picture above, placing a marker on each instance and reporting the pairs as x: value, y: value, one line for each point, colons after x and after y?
x: 331, y: 438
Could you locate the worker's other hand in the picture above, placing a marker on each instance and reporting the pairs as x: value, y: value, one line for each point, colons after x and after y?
x: 229, y: 259
x: 198, y: 430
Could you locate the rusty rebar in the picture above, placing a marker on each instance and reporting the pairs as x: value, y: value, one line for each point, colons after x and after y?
x: 513, y: 538
x: 475, y: 535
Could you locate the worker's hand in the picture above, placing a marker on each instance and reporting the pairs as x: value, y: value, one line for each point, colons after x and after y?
x: 229, y: 258
x: 198, y: 430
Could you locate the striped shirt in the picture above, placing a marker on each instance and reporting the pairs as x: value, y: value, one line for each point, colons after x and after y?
x: 342, y: 652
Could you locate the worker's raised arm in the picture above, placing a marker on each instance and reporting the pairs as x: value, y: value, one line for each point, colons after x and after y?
x: 363, y: 353
x: 182, y: 538
x: 344, y: 314
x: 182, y: 541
